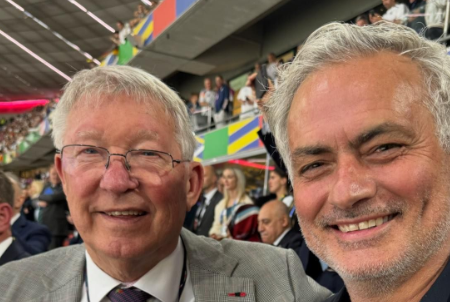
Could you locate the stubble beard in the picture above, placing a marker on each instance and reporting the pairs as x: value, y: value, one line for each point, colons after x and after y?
x: 382, y: 279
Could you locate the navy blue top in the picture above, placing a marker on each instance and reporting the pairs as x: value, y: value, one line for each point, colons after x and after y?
x: 439, y: 291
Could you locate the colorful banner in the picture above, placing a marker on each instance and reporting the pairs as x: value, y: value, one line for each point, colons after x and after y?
x: 232, y: 139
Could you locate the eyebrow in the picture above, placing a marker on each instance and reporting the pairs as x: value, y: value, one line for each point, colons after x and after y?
x: 365, y: 137
x: 385, y: 128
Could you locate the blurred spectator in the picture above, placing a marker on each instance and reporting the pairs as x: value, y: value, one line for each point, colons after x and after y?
x: 34, y: 237
x: 396, y: 12
x: 27, y: 208
x: 376, y: 14
x: 35, y: 190
x: 195, y: 111
x: 124, y: 30
x: 435, y: 17
x: 362, y: 20
x: 271, y: 69
x: 278, y: 187
x: 416, y: 20
x: 234, y: 194
x: 10, y: 249
x: 211, y: 197
x: 222, y: 100
x: 247, y: 97
x: 54, y: 208
x: 207, y: 99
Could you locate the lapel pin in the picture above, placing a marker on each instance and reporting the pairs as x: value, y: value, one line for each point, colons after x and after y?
x: 237, y: 294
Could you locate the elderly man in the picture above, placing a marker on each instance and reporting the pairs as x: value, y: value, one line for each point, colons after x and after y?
x: 125, y: 150
x: 10, y: 249
x: 369, y: 158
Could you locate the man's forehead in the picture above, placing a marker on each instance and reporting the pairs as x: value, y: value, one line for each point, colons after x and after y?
x: 337, y: 86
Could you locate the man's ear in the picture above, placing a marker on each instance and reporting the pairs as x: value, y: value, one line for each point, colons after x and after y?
x: 194, y: 185
x: 286, y: 221
x: 6, y: 213
x: 59, y: 169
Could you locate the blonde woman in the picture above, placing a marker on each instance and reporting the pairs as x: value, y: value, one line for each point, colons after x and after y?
x: 234, y: 194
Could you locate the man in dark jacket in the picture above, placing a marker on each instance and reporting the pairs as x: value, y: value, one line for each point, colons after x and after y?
x: 10, y: 249
x: 54, y: 209
x: 275, y: 227
x: 34, y: 237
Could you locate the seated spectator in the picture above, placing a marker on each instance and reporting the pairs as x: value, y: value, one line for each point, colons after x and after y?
x: 247, y: 97
x: 28, y: 209
x: 10, y: 249
x: 362, y: 20
x: 244, y: 223
x: 396, y: 12
x: 34, y: 237
x: 435, y: 17
x: 276, y: 228
x: 234, y: 194
x: 278, y: 188
x: 211, y: 196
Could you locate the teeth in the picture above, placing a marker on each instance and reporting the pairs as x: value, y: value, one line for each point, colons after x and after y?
x: 365, y: 224
x: 125, y: 213
x: 379, y: 221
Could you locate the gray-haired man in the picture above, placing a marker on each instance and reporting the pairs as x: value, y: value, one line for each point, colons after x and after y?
x: 125, y: 150
x: 369, y: 158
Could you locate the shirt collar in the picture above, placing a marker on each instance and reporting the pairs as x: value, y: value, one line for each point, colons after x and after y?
x: 209, y: 195
x: 439, y: 291
x: 14, y: 218
x: 162, y: 281
x: 276, y: 242
x: 4, y: 245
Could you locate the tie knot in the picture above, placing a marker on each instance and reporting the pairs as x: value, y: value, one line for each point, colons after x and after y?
x: 131, y: 294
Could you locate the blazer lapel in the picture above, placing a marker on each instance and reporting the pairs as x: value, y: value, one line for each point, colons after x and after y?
x: 211, y: 272
x: 64, y: 281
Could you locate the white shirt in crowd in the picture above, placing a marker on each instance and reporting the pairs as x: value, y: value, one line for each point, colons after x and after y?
x: 435, y: 13
x: 162, y: 281
x: 277, y: 242
x: 398, y: 12
x: 4, y: 245
x: 247, y: 110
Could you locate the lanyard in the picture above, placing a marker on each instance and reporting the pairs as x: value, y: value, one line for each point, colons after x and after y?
x: 183, y: 277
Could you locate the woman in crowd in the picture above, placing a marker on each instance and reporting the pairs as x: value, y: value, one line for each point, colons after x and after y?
x: 234, y: 195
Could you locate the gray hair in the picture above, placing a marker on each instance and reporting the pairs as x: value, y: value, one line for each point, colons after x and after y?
x: 112, y: 81
x: 15, y: 182
x: 338, y: 43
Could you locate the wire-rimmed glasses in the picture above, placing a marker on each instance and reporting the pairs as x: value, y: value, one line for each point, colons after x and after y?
x: 88, y: 157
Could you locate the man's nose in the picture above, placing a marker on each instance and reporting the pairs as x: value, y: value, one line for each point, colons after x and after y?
x: 117, y: 178
x: 353, y: 184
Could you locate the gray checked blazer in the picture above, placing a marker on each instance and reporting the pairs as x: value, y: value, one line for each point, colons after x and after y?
x: 217, y: 269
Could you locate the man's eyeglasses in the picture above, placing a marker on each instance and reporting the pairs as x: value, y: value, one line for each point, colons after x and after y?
x: 89, y: 157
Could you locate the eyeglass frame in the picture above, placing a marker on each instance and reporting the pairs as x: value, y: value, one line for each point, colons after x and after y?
x: 127, y: 165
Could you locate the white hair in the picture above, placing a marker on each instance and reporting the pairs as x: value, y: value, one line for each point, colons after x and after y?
x: 338, y: 43
x: 93, y: 85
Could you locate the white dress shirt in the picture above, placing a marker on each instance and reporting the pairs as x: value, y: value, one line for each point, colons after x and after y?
x: 14, y: 218
x: 162, y: 281
x: 4, y: 245
x: 398, y: 12
x: 276, y: 242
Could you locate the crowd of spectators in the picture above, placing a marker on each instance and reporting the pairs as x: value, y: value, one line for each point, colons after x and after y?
x: 14, y: 129
x: 426, y: 17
